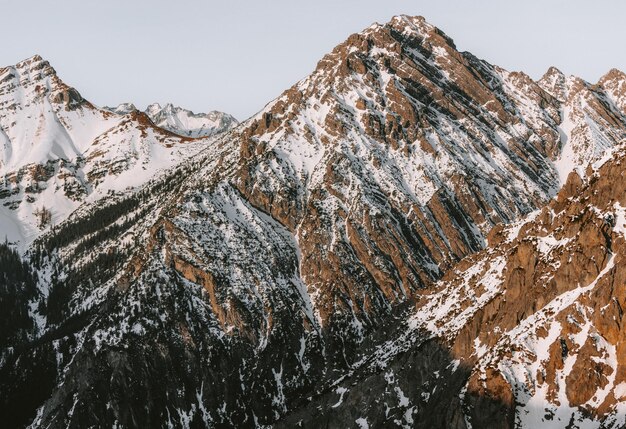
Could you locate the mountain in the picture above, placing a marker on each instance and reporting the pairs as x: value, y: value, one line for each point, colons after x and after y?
x: 386, y: 244
x: 187, y: 123
x: 531, y: 327
x: 181, y: 121
x: 122, y: 109
x: 59, y: 150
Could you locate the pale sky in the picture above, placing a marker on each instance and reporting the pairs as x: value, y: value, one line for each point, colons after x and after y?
x: 237, y: 55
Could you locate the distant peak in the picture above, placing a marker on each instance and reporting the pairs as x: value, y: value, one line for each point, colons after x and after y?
x: 169, y: 107
x: 554, y: 82
x: 154, y: 107
x: 613, y: 74
x: 553, y: 71
x: 121, y: 109
x: 129, y: 106
x: 419, y: 26
x: 186, y: 123
x: 32, y: 61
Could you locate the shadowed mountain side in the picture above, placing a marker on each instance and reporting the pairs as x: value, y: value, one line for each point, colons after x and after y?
x: 420, y: 388
x: 132, y: 382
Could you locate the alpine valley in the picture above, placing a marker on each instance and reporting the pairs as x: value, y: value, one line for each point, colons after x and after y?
x: 409, y: 237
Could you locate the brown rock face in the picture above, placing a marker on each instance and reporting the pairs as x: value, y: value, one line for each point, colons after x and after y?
x: 403, y: 87
x: 382, y: 170
x: 373, y: 116
x: 69, y: 97
x: 545, y: 341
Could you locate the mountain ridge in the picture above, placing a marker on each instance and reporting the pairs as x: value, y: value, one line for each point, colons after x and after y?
x: 309, y: 257
x: 58, y: 149
x: 182, y: 121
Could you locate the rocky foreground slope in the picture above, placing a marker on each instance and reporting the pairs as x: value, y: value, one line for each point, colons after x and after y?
x: 526, y: 333
x: 333, y: 260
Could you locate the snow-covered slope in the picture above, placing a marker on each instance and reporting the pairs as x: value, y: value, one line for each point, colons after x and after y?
x: 57, y: 149
x: 43, y: 119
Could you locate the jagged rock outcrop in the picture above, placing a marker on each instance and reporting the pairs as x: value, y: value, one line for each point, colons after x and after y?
x: 526, y: 333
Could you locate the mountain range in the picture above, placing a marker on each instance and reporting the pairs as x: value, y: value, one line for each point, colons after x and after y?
x: 181, y: 121
x: 408, y: 237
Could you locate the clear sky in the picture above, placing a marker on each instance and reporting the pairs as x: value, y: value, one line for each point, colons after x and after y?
x: 236, y: 55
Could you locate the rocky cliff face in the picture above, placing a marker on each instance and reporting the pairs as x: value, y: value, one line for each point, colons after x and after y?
x: 341, y: 258
x: 530, y: 328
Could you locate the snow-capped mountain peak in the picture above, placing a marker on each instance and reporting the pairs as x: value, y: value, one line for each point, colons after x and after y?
x: 187, y: 123
x: 614, y: 84
x: 554, y: 83
x: 58, y: 149
x: 182, y: 121
x: 122, y: 109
